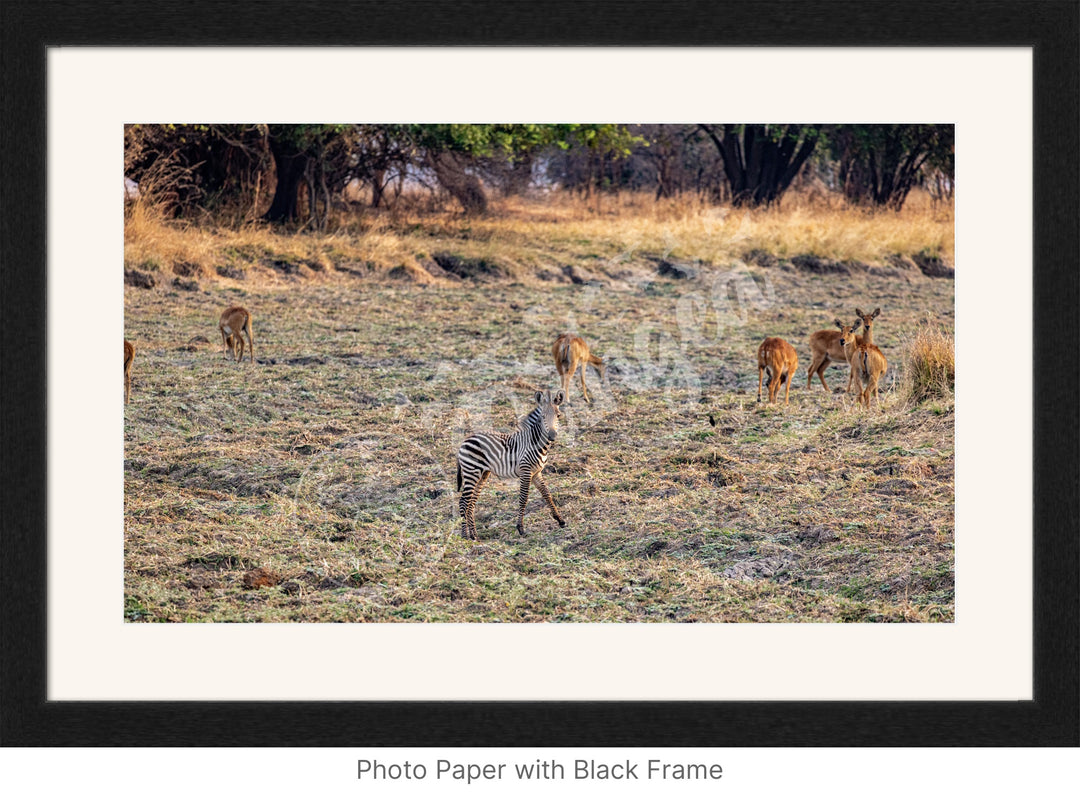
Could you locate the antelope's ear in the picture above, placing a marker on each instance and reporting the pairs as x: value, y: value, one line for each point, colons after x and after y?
x: 839, y: 325
x: 558, y: 399
x: 539, y: 397
x: 876, y: 312
x: 858, y: 311
x: 856, y: 324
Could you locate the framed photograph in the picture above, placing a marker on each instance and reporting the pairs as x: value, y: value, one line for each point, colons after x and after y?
x: 262, y: 542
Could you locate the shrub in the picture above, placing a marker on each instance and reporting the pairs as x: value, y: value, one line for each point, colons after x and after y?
x: 928, y: 364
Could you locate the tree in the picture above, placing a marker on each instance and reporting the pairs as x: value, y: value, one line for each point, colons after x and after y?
x: 300, y: 154
x: 454, y: 152
x: 881, y: 164
x: 761, y: 161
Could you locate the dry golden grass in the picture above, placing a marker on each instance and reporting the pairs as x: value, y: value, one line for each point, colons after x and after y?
x: 929, y: 369
x: 524, y: 236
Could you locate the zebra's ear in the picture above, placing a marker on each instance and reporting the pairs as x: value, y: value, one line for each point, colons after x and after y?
x: 539, y: 397
x: 558, y: 399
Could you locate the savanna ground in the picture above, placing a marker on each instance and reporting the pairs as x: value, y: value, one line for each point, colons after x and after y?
x: 318, y: 483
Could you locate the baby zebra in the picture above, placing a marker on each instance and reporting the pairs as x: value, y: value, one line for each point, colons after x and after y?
x: 520, y: 456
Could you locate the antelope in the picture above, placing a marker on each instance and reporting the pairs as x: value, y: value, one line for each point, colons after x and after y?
x: 520, y: 456
x: 129, y: 356
x: 778, y: 359
x: 867, y: 362
x: 570, y: 351
x: 825, y: 348
x: 234, y: 321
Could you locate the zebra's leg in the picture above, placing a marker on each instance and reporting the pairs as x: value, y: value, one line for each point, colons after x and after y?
x: 541, y: 485
x: 523, y: 499
x: 470, y: 489
x: 476, y: 494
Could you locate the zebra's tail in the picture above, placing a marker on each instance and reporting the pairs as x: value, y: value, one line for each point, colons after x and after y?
x: 459, y: 476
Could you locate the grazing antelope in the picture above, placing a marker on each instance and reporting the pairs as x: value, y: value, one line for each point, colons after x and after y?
x: 569, y: 352
x: 129, y: 356
x: 825, y: 348
x: 777, y: 358
x: 520, y: 456
x: 867, y: 362
x: 234, y: 321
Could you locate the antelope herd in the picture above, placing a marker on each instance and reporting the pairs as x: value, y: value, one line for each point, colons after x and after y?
x: 522, y: 454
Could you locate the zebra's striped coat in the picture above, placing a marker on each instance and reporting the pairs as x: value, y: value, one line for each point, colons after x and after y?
x: 521, y: 455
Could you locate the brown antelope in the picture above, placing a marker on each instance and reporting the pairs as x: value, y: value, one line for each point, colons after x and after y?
x: 234, y: 321
x: 777, y: 358
x: 569, y: 352
x: 129, y: 356
x: 867, y: 362
x: 825, y: 348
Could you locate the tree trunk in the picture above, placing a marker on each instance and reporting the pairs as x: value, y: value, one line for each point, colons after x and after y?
x: 520, y: 175
x: 378, y: 186
x: 290, y: 168
x: 449, y: 169
x: 759, y: 168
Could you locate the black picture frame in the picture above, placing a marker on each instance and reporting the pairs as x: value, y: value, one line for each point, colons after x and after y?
x: 27, y: 718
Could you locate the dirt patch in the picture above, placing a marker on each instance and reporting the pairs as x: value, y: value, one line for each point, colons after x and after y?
x: 932, y: 266
x: 578, y: 275
x: 676, y: 271
x: 260, y: 578
x: 809, y: 263
x: 231, y: 271
x: 137, y: 278
x: 771, y: 567
x: 468, y: 267
x: 760, y: 258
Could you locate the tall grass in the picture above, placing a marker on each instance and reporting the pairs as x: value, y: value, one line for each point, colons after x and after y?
x: 523, y: 233
x: 929, y: 369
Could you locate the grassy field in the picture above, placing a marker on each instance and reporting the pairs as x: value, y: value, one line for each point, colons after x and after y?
x: 318, y: 483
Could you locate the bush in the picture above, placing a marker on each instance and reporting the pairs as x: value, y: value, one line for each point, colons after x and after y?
x: 929, y: 369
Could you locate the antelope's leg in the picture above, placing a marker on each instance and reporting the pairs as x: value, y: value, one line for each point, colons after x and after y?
x: 821, y: 373
x: 541, y: 485
x: 760, y: 381
x: 584, y: 392
x: 774, y: 386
